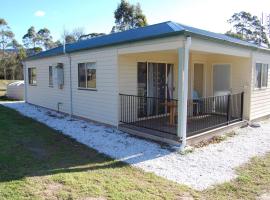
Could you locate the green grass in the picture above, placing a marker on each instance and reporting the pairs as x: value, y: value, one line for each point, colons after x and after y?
x: 36, y: 162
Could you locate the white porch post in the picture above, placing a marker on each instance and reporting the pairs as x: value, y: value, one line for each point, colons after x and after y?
x: 183, y: 63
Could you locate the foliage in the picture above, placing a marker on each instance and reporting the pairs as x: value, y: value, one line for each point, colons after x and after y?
x: 37, y: 41
x: 13, y: 65
x: 72, y: 36
x: 69, y: 39
x: 45, y: 38
x: 235, y: 35
x: 6, y: 35
x: 91, y: 35
x: 128, y: 16
x: 30, y: 39
x: 267, y: 24
x: 247, y: 27
x: 6, y: 38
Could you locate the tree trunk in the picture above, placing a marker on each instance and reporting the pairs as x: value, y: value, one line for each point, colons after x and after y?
x: 5, y: 72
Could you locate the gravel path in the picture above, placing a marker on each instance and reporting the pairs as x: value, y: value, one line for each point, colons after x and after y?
x: 201, y: 169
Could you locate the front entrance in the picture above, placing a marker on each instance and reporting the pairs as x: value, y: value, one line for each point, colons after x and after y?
x: 198, y: 80
x: 155, y: 80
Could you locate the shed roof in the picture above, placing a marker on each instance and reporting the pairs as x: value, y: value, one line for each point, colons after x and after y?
x: 160, y: 30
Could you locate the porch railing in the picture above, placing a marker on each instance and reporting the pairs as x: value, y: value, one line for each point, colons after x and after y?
x: 213, y: 112
x: 161, y: 114
x: 149, y: 112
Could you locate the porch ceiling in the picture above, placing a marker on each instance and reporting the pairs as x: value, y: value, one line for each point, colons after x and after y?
x: 215, y: 54
x: 207, y: 46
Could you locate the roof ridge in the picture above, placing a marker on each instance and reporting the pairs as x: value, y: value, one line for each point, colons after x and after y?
x: 175, y: 26
x: 121, y: 32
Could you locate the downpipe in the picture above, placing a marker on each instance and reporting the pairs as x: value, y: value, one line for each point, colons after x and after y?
x: 70, y: 85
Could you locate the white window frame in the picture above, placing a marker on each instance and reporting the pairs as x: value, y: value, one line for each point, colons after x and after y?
x: 51, y: 76
x: 85, y: 71
x: 255, y: 76
x: 29, y: 75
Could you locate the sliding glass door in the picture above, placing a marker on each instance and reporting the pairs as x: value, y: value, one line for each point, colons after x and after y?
x: 155, y: 81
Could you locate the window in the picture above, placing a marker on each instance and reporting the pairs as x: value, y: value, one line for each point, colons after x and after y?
x: 32, y: 76
x: 87, y: 75
x: 60, y: 75
x: 261, y: 75
x: 50, y: 76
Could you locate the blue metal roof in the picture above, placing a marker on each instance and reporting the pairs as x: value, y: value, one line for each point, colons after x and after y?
x: 164, y: 29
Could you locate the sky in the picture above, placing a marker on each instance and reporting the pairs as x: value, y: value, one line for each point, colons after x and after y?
x: 97, y: 15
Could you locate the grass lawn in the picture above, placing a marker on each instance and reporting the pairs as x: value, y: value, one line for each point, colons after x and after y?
x: 36, y: 162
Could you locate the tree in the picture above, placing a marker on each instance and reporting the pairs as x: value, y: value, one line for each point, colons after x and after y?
x: 91, y: 35
x: 235, y: 35
x: 77, y: 33
x: 267, y: 26
x: 69, y: 39
x: 139, y: 19
x: 247, y: 27
x: 128, y: 16
x: 37, y: 41
x: 45, y: 38
x: 259, y: 32
x: 6, y: 37
x: 57, y: 43
x: 31, y: 39
x: 16, y: 45
x: 18, y: 70
x: 72, y: 36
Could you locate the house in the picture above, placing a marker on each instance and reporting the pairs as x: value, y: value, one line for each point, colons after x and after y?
x: 166, y: 81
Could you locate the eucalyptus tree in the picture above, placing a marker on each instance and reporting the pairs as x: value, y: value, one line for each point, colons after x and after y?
x: 6, y: 38
x: 45, y: 39
x: 128, y: 16
x: 247, y: 27
x: 31, y: 40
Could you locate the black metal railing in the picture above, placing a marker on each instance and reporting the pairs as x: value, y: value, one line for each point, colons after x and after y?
x: 149, y: 112
x: 161, y: 114
x: 213, y: 112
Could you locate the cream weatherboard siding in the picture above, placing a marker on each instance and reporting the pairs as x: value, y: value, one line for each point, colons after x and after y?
x: 100, y: 105
x: 128, y: 68
x: 42, y: 94
x: 240, y: 76
x: 260, y: 98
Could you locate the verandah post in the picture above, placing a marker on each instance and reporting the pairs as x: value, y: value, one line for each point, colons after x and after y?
x: 228, y: 109
x: 183, y: 63
x: 242, y: 106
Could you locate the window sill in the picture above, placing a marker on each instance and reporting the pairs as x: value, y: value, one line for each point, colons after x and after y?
x: 88, y: 89
x: 32, y: 84
x: 260, y: 89
x: 50, y: 86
